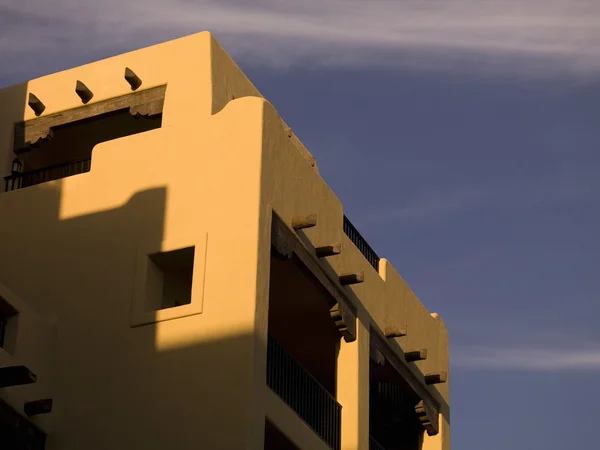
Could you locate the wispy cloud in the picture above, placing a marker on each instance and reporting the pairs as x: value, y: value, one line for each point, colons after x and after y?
x: 538, y: 37
x: 526, y: 358
x: 432, y: 205
x: 438, y: 204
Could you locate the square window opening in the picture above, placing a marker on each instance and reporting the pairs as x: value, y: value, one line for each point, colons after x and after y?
x: 169, y: 278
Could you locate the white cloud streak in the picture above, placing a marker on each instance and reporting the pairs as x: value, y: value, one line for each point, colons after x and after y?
x: 435, y: 205
x: 526, y: 358
x: 525, y: 37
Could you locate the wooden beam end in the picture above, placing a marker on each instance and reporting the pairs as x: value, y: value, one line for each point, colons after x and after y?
x: 436, y: 378
x: 352, y: 278
x: 133, y: 80
x: 329, y: 250
x: 299, y: 222
x: 36, y: 104
x: 416, y: 355
x: 84, y: 93
x: 36, y: 407
x: 16, y: 376
x: 396, y: 331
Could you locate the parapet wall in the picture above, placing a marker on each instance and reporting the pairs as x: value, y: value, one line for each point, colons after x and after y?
x: 200, y: 75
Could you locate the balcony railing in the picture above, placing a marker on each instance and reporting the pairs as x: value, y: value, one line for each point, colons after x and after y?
x: 361, y: 243
x: 50, y: 173
x: 374, y: 445
x: 303, y: 393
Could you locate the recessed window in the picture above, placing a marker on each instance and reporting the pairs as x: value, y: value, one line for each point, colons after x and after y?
x: 169, y: 279
x: 8, y: 326
x: 60, y: 145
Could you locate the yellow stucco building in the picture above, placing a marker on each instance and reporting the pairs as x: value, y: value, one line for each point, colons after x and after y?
x: 192, y: 282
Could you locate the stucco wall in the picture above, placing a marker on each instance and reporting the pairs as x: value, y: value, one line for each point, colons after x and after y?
x: 71, y: 248
x: 221, y: 163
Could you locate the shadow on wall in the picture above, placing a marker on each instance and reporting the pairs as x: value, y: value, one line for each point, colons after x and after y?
x: 106, y: 373
x: 111, y: 386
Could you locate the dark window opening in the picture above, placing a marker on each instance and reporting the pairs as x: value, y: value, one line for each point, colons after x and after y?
x: 169, y: 281
x: 67, y: 149
x: 393, y: 422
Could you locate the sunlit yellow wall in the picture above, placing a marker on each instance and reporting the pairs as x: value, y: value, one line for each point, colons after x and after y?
x: 72, y: 252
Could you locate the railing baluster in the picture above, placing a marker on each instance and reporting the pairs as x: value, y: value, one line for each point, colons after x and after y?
x: 50, y: 173
x: 303, y: 393
x: 361, y: 244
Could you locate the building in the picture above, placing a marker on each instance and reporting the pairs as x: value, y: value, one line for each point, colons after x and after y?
x: 193, y: 282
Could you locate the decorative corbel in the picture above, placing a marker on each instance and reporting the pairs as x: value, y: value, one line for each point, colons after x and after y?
x: 345, y: 321
x: 426, y: 418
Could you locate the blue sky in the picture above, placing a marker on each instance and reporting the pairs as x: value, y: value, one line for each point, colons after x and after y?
x: 462, y: 137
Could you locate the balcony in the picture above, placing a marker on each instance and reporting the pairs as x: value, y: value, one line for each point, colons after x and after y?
x: 393, y: 421
x: 55, y: 172
x: 361, y: 243
x: 303, y: 393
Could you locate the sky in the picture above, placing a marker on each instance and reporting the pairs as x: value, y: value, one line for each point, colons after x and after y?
x: 463, y: 139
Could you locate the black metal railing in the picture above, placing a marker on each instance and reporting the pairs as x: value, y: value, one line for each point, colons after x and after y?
x: 374, y: 445
x: 50, y: 173
x: 361, y: 243
x: 390, y: 393
x: 303, y: 393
